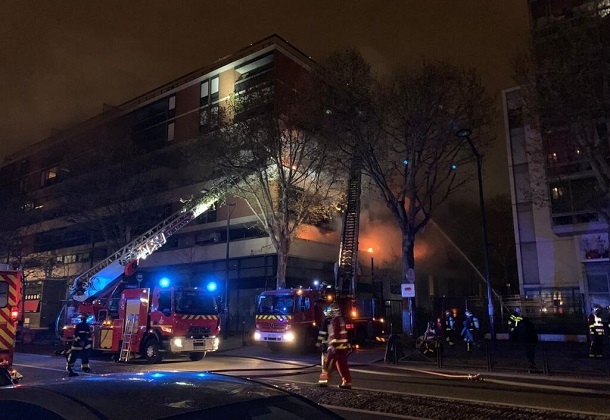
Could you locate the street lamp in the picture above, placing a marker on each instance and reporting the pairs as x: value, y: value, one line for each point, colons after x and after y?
x: 226, y: 324
x: 465, y: 133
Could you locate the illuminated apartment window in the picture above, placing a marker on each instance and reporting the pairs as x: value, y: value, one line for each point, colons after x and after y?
x: 48, y: 176
x: 556, y: 193
x: 205, y: 93
x: 552, y: 158
x: 214, y: 88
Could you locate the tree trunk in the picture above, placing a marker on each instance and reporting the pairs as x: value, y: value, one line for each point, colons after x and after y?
x: 408, y: 262
x: 408, y: 255
x: 282, y: 262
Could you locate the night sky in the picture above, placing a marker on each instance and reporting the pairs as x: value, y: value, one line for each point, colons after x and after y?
x: 60, y: 61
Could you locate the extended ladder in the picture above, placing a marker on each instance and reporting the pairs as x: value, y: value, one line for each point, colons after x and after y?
x: 128, y: 334
x: 348, y: 252
x: 97, y: 279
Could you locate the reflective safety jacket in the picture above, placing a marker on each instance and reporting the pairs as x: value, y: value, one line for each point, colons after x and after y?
x: 337, y: 334
x: 596, y: 326
x: 82, y: 337
x: 323, y: 334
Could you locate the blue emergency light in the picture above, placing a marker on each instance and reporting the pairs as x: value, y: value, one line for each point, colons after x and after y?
x: 212, y: 286
x: 164, y: 282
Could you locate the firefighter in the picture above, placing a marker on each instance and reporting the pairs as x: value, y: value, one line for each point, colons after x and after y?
x: 526, y: 335
x: 447, y: 326
x: 322, y: 344
x: 81, y: 346
x: 596, y: 333
x: 513, y: 321
x: 469, y: 330
x: 338, y: 347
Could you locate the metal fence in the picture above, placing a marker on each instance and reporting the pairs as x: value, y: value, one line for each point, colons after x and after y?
x: 551, y: 358
x: 550, y: 315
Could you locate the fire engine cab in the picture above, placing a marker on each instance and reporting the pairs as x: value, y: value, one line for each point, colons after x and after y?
x: 136, y: 322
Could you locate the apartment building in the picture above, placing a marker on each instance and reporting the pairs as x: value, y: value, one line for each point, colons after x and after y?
x: 562, y: 242
x: 224, y: 242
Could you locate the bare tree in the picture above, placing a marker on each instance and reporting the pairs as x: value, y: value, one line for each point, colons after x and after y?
x: 403, y: 129
x: 286, y: 174
x: 565, y: 83
x: 114, y: 193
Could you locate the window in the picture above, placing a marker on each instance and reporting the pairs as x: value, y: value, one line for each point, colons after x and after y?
x: 165, y: 301
x: 598, y: 283
x: 214, y: 89
x: 205, y: 93
x: 3, y: 294
x: 52, y: 176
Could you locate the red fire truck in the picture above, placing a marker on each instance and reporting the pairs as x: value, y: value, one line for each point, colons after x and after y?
x: 291, y: 318
x: 131, y: 321
x: 10, y: 298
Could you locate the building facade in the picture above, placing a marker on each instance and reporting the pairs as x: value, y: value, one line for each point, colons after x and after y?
x: 562, y: 241
x: 133, y: 156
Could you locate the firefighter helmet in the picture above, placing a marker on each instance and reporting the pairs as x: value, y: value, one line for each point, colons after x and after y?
x: 468, y: 313
x: 597, y: 309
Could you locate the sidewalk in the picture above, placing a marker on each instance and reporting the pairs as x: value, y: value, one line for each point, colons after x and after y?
x: 552, y: 359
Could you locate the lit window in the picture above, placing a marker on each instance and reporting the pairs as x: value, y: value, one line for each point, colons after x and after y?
x: 557, y: 192
x: 172, y: 102
x: 48, y: 176
x: 552, y: 157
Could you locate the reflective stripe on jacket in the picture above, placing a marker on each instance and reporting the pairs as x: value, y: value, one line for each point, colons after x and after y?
x: 337, y: 334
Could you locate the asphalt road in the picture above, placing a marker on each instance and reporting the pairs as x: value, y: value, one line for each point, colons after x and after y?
x: 380, y: 390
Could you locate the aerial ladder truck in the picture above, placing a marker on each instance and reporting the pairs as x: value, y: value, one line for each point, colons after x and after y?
x: 132, y: 321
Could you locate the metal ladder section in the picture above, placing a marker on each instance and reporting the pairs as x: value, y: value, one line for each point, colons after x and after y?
x: 128, y: 335
x: 150, y: 241
x: 348, y: 254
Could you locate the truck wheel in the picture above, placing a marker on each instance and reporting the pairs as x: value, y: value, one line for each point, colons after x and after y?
x: 275, y: 347
x: 151, y: 351
x: 197, y: 356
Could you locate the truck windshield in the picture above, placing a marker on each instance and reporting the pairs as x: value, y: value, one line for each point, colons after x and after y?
x: 278, y: 305
x: 194, y: 302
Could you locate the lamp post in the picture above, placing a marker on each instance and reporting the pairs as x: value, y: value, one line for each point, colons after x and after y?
x: 226, y: 323
x: 465, y: 133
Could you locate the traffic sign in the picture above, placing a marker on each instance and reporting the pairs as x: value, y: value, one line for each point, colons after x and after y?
x: 407, y: 290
